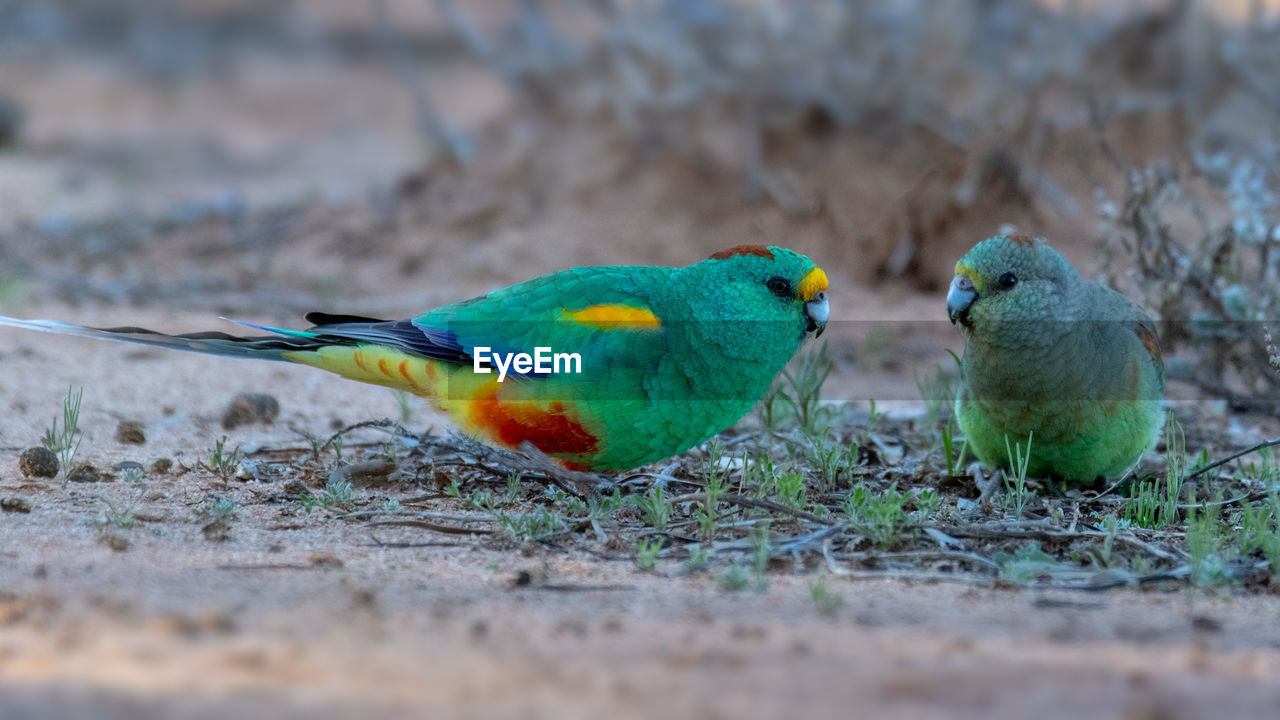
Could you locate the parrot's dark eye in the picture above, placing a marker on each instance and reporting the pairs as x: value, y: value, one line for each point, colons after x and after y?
x: 1008, y: 280
x: 779, y: 286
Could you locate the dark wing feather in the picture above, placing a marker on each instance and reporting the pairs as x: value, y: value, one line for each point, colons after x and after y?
x: 400, y: 334
x: 323, y: 318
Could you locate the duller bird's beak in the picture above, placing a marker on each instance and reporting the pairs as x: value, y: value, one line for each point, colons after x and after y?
x: 959, y: 298
x: 813, y: 291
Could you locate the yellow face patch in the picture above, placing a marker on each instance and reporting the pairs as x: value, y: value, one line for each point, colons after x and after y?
x: 812, y: 284
x: 966, y: 271
x: 610, y: 317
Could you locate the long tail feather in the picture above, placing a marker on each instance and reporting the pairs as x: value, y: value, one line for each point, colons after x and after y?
x: 211, y: 343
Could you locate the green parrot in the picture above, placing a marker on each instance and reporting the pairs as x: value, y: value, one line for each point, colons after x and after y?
x: 601, y: 368
x: 1050, y: 358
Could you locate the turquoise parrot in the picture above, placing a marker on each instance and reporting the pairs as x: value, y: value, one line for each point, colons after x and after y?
x: 1049, y: 356
x: 601, y: 368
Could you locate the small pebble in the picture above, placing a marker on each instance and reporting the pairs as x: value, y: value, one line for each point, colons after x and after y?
x: 247, y: 470
x: 324, y: 559
x: 130, y: 432
x: 130, y: 467
x: 248, y: 408
x: 85, y: 474
x: 119, y: 543
x: 161, y: 466
x: 38, y: 462
x: 216, y: 531
x: 367, y: 473
x: 15, y: 503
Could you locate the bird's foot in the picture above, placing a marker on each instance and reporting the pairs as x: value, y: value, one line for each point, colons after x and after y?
x: 989, y: 486
x: 576, y: 482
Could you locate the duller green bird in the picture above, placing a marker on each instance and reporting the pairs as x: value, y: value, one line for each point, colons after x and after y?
x: 1052, y: 358
x: 601, y: 368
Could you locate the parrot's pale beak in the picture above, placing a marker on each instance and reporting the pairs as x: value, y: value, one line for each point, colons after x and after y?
x: 959, y: 298
x: 818, y: 312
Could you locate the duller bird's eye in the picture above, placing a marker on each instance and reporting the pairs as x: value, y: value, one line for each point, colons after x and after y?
x: 779, y: 286
x: 1008, y: 280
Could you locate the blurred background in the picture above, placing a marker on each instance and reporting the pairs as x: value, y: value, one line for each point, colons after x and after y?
x: 263, y: 159
x: 165, y: 163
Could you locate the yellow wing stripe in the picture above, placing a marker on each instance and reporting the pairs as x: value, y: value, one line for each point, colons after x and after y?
x: 610, y: 317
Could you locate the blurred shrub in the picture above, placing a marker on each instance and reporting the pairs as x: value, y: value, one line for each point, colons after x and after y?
x: 974, y: 93
x: 1204, y: 250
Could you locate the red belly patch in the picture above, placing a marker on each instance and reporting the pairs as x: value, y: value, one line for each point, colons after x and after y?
x: 550, y: 430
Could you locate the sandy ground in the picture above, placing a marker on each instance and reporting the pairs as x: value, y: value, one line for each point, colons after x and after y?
x: 299, y: 614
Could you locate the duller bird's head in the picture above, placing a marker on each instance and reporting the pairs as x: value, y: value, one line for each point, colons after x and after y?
x: 1009, y: 281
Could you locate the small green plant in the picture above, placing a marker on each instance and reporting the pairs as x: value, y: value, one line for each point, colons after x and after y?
x: 132, y: 474
x: 802, y: 390
x: 454, y: 489
x: 482, y: 500
x: 881, y: 517
x: 759, y: 474
x: 336, y: 494
x: 514, y: 480
x: 791, y: 491
x: 647, y: 550
x: 938, y: 390
x: 1206, y: 545
x: 599, y: 508
x: 948, y: 445
x: 874, y: 345
x: 874, y: 416
x: 761, y: 551
x: 1025, y: 564
x: 1153, y: 504
x: 927, y: 502
x: 391, y: 506
x: 1110, y: 526
x: 404, y: 402
x: 524, y: 527
x: 831, y: 459
x: 64, y: 440
x: 767, y: 410
x: 1175, y: 442
x: 216, y: 509
x: 825, y: 602
x: 222, y: 462
x: 734, y: 578
x: 1267, y: 470
x: 1260, y: 530
x: 698, y: 558
x: 655, y: 508
x: 716, y: 484
x: 1143, y: 506
x: 1015, y: 480
x: 121, y: 517
x: 575, y: 506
